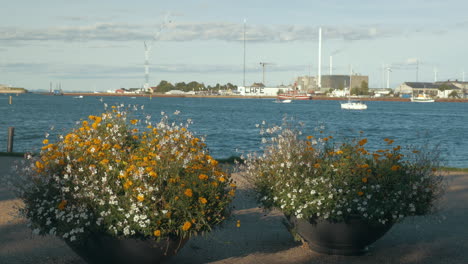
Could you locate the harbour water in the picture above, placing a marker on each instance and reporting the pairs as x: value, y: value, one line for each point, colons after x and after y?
x: 229, y: 125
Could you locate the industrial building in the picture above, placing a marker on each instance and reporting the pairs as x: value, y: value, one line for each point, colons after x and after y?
x: 334, y: 82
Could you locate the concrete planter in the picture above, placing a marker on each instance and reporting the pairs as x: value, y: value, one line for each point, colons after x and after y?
x: 100, y: 248
x: 343, y: 238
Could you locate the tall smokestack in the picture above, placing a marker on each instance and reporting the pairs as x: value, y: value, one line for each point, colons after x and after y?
x: 331, y: 65
x: 319, y: 75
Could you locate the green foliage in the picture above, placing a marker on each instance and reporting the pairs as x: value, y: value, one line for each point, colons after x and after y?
x: 362, y: 90
x: 124, y: 177
x: 454, y: 94
x: 165, y: 86
x: 444, y: 87
x: 319, y: 178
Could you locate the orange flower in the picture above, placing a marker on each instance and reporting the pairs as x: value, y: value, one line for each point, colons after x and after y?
x: 62, y: 205
x: 188, y: 192
x: 186, y: 226
x: 157, y: 233
x: 362, y: 142
x: 364, y: 180
x: 317, y: 165
x: 127, y: 184
x: 395, y: 167
x: 141, y: 197
x: 45, y: 141
x: 360, y: 193
x: 203, y: 177
x: 202, y: 200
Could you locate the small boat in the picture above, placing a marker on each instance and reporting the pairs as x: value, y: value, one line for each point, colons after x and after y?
x: 287, y: 101
x: 78, y: 97
x: 422, y: 98
x: 294, y: 95
x: 353, y: 105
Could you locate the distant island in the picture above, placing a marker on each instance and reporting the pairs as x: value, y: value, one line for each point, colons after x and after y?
x: 8, y: 89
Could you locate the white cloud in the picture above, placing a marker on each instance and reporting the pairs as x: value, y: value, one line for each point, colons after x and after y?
x: 192, y: 31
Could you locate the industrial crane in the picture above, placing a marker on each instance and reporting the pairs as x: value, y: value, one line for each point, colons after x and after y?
x: 263, y: 66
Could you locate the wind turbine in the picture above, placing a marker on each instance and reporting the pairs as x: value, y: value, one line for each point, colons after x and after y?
x: 388, y: 76
x: 148, y: 49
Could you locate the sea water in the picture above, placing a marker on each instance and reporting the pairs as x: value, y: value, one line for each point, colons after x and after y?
x: 229, y: 125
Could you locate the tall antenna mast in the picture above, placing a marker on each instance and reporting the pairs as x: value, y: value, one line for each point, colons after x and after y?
x: 245, y: 21
x: 319, y: 74
x: 148, y: 49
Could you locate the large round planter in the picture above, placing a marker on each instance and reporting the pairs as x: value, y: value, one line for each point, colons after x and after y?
x: 342, y: 238
x: 100, y: 248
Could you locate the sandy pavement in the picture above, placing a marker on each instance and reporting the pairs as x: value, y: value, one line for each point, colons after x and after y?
x: 263, y: 238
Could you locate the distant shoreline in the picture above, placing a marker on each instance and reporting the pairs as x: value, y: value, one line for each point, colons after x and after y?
x: 383, y: 99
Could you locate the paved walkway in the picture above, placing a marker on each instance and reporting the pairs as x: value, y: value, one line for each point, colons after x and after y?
x: 262, y: 238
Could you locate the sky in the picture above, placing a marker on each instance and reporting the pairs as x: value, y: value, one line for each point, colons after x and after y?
x: 99, y: 45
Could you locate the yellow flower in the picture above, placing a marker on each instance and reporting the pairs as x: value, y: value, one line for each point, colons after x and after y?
x: 238, y: 223
x: 157, y: 233
x: 186, y: 226
x: 141, y: 197
x: 45, y: 141
x: 188, y: 192
x: 134, y: 121
x: 203, y: 177
x: 222, y: 179
x: 364, y: 180
x: 339, y: 152
x: 202, y: 200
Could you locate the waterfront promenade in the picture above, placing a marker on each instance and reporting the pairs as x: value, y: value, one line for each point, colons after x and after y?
x: 262, y: 238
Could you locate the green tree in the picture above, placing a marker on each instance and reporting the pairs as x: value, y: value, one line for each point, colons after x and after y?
x: 181, y: 86
x: 164, y: 86
x: 453, y: 94
x: 444, y: 87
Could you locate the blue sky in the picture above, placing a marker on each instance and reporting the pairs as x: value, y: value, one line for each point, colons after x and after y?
x: 98, y: 45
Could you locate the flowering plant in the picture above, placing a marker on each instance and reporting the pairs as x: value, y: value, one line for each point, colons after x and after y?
x: 317, y: 177
x: 127, y: 178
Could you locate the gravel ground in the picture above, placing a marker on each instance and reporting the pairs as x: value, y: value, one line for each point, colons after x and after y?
x: 263, y: 238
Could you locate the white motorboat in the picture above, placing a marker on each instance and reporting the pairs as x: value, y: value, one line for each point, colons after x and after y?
x: 353, y: 105
x: 422, y: 98
x: 287, y: 101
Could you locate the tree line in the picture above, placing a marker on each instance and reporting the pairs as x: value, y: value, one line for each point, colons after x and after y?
x: 165, y: 86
